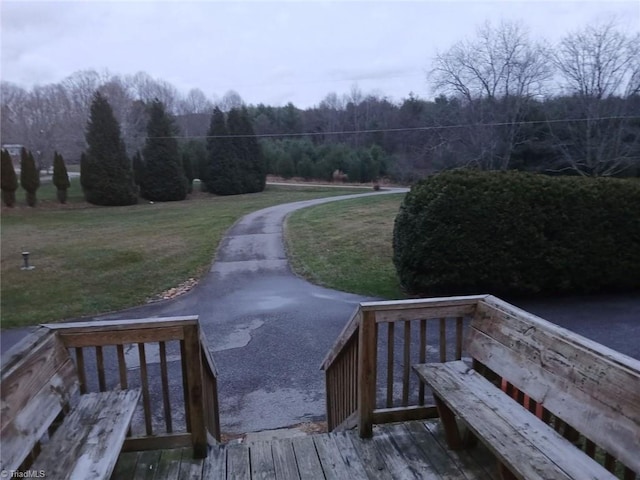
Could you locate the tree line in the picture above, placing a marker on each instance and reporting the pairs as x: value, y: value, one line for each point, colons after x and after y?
x: 160, y: 172
x: 233, y: 161
x: 502, y: 101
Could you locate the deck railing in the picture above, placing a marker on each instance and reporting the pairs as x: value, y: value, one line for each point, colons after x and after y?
x: 168, y: 359
x: 368, y: 370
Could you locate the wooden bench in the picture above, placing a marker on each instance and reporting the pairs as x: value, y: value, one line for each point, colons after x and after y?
x: 557, y: 382
x: 40, y: 429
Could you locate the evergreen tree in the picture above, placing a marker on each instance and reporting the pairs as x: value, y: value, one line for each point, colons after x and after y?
x: 249, y: 152
x: 8, y: 179
x: 107, y: 176
x: 187, y: 166
x: 138, y: 168
x: 196, y: 150
x: 29, y: 176
x: 60, y: 177
x: 236, y: 162
x: 85, y: 174
x: 164, y: 178
x: 223, y: 177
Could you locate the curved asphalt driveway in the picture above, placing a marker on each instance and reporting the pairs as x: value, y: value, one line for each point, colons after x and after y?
x: 269, y: 329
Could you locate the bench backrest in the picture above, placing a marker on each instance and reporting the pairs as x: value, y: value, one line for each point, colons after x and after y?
x: 38, y: 380
x: 590, y: 387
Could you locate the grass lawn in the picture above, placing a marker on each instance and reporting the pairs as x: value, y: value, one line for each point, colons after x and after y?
x: 347, y: 245
x: 92, y: 259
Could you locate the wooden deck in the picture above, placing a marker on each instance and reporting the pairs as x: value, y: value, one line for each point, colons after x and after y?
x: 410, y: 450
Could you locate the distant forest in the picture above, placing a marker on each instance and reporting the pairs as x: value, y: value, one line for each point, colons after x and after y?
x: 501, y: 101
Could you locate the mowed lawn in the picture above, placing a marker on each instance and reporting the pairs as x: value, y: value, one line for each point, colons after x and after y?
x: 92, y: 259
x: 347, y: 245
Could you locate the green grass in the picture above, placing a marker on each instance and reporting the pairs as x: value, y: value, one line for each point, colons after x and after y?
x: 347, y: 245
x: 92, y: 259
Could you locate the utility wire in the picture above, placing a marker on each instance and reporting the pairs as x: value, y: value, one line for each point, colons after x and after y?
x: 404, y: 129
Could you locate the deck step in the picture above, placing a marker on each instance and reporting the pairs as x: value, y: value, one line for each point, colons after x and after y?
x: 412, y: 450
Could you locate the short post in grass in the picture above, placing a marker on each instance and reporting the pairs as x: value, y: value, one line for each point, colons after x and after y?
x: 25, y: 258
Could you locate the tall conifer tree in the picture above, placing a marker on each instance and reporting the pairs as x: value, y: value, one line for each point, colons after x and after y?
x: 106, y: 173
x: 8, y: 179
x: 223, y: 177
x: 29, y: 176
x: 60, y: 177
x: 164, y: 179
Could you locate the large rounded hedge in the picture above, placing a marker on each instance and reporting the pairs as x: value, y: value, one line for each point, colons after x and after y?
x: 517, y: 233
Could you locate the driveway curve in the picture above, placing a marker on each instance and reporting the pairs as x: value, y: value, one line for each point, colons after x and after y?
x: 268, y: 329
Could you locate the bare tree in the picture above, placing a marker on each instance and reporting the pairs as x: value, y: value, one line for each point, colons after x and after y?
x: 496, y: 75
x: 195, y: 102
x: 147, y: 89
x: 600, y: 66
x: 231, y: 99
x: 12, y: 100
x: 130, y: 112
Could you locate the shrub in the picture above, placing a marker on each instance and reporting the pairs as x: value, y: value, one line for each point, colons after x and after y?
x: 8, y: 179
x: 516, y: 233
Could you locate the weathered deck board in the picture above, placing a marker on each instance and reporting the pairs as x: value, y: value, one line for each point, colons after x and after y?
x: 88, y: 443
x: 413, y: 450
x: 284, y: 460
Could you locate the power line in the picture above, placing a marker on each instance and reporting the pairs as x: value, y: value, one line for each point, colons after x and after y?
x: 404, y: 129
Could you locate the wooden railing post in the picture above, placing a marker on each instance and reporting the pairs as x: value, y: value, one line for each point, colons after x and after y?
x: 367, y: 361
x: 194, y: 392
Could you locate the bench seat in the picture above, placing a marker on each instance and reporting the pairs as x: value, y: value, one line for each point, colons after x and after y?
x: 46, y: 426
x: 87, y: 444
x: 528, y: 447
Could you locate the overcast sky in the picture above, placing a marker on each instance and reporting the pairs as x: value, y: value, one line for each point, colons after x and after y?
x: 269, y: 52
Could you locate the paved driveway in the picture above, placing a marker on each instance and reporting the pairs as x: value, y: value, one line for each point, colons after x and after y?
x: 269, y: 330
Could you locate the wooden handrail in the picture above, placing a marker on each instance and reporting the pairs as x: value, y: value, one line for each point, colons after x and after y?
x: 210, y: 385
x: 345, y: 335
x: 396, y: 305
x: 132, y: 324
x: 352, y: 363
x: 213, y: 369
x: 199, y: 373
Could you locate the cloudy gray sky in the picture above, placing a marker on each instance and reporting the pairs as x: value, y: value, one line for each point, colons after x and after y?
x: 270, y: 52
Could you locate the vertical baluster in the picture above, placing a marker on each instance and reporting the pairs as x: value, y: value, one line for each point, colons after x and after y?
x: 330, y: 393
x: 459, y: 338
x: 122, y: 367
x: 590, y: 448
x: 185, y: 386
x: 407, y: 363
x: 367, y: 372
x: 339, y: 390
x: 144, y: 381
x: 336, y: 405
x: 390, y: 360
x: 354, y: 387
x: 629, y: 474
x: 82, y: 378
x: 341, y: 387
x: 422, y: 357
x: 102, y: 384
x: 216, y: 409
x: 165, y: 387
x: 349, y: 379
x: 610, y: 462
x: 443, y: 340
